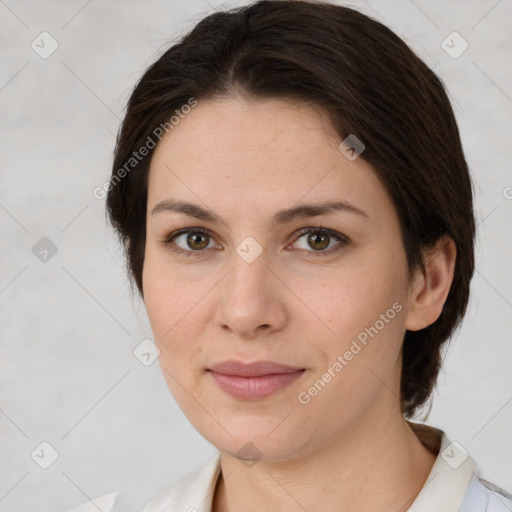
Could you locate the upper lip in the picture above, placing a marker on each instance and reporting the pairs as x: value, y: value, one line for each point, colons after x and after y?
x: 256, y: 369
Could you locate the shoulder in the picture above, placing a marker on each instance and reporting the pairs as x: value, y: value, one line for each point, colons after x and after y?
x: 484, y: 496
x: 455, y: 483
x: 194, y: 491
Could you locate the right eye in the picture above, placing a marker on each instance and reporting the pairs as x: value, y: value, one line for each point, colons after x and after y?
x: 193, y: 241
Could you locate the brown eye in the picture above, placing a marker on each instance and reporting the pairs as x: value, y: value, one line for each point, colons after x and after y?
x: 189, y: 241
x: 318, y: 241
x: 197, y: 241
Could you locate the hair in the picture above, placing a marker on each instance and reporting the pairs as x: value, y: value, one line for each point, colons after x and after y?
x: 369, y: 83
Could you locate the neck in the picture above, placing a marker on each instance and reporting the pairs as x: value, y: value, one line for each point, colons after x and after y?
x: 378, y: 466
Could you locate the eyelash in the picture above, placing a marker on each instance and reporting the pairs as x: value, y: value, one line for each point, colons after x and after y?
x: 342, y: 239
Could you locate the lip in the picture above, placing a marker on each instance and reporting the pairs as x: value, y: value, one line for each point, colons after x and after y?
x: 253, y: 381
x: 256, y: 369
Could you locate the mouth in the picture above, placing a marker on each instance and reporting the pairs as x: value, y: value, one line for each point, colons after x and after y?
x: 253, y: 381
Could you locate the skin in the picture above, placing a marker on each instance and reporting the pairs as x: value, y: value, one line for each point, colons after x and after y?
x: 245, y: 159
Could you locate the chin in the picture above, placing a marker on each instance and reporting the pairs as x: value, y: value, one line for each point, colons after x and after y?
x: 252, y: 438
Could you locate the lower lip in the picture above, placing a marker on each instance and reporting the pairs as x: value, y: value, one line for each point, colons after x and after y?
x: 254, y: 388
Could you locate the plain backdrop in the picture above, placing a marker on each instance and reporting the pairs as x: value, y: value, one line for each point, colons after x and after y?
x: 68, y: 324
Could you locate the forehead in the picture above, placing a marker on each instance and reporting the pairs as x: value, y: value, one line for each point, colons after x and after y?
x: 257, y: 154
x: 244, y: 126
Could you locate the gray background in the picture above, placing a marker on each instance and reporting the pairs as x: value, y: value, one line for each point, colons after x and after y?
x: 68, y: 375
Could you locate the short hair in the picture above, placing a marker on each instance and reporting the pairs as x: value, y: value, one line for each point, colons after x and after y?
x: 370, y: 84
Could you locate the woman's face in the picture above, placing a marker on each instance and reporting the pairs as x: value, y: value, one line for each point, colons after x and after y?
x: 258, y: 284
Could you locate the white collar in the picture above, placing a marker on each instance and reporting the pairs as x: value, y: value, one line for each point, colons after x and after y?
x: 450, y: 475
x: 443, y: 491
x: 453, y: 484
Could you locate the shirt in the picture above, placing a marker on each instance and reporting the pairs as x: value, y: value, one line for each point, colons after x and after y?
x: 453, y: 484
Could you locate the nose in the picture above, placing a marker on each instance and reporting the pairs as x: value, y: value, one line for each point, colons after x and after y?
x: 252, y: 299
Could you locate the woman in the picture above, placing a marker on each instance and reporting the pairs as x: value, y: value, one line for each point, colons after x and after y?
x: 296, y: 211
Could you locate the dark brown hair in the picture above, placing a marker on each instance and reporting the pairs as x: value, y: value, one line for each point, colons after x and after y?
x: 369, y: 83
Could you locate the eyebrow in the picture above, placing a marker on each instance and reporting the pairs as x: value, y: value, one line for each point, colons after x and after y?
x: 280, y: 217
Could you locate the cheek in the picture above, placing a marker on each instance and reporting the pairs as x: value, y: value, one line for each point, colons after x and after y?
x: 175, y: 309
x: 349, y: 299
x: 357, y: 362
x: 360, y: 307
x: 167, y: 296
x: 164, y: 311
x: 167, y: 313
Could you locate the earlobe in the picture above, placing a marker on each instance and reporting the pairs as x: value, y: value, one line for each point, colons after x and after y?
x: 429, y: 293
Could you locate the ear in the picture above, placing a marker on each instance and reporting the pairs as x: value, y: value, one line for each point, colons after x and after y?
x: 428, y: 293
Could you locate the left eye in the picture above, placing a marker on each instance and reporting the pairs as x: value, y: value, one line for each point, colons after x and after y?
x: 320, y: 240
